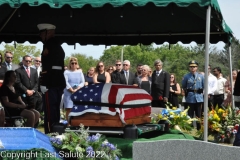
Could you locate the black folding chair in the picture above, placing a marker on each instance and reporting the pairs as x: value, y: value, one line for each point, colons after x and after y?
x: 10, y: 120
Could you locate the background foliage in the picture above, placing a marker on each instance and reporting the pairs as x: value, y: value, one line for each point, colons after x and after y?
x: 175, y: 57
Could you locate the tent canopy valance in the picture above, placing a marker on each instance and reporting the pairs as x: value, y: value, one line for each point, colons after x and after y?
x: 113, y: 22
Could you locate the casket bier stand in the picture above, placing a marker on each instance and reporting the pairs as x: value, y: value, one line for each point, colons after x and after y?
x: 108, y: 125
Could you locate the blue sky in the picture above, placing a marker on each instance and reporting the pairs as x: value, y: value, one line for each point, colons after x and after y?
x: 230, y: 11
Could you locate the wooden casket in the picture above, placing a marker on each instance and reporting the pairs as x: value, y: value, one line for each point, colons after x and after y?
x: 110, y: 105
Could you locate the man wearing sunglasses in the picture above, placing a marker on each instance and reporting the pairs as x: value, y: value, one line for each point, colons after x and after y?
x: 37, y: 65
x: 8, y: 61
x: 193, y: 85
x: 51, y: 77
x: 27, y: 83
x: 115, y: 76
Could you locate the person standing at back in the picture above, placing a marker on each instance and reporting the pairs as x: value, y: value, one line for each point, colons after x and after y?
x: 218, y: 96
x: 51, y: 78
x: 126, y: 76
x: 193, y: 85
x: 160, y: 85
x: 115, y: 76
x: 3, y: 70
x: 27, y: 83
x: 37, y: 65
x: 212, y: 86
x: 175, y: 90
x: 8, y: 61
x: 100, y: 75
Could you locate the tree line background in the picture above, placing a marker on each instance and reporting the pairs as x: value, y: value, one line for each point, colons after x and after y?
x: 175, y: 57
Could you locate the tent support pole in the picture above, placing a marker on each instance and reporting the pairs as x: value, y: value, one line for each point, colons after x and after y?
x: 8, y: 19
x: 207, y: 40
x: 230, y: 78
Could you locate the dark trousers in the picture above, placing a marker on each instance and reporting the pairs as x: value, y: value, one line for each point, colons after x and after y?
x: 51, y: 107
x: 185, y: 105
x: 210, y: 103
x: 158, y: 103
x: 35, y: 100
x: 237, y: 104
x: 218, y: 100
x: 195, y: 107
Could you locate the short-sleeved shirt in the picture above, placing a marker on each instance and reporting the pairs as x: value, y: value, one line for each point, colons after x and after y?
x: 12, y: 97
x: 195, y: 82
x: 89, y: 79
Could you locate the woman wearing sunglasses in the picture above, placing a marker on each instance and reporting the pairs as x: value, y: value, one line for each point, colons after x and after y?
x: 74, y: 81
x: 100, y: 76
x: 110, y: 69
x: 174, y: 91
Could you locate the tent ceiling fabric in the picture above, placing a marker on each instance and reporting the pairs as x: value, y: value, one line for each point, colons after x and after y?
x: 113, y: 22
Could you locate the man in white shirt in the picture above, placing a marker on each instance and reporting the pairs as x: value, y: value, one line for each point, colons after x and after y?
x: 218, y: 96
x: 212, y: 86
x: 37, y: 65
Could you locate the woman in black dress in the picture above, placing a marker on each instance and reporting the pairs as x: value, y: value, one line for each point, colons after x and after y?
x: 174, y: 91
x: 145, y: 81
x: 12, y: 102
x: 100, y: 76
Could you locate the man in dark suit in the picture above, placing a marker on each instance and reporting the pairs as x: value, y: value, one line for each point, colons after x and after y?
x: 127, y: 77
x: 160, y: 85
x: 52, y: 78
x: 27, y: 83
x: 8, y: 61
x: 116, y: 74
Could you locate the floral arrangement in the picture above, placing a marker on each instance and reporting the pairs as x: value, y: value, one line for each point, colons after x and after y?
x: 82, y: 146
x: 222, y: 123
x: 231, y: 123
x: 216, y: 117
x: 231, y: 131
x: 176, y: 118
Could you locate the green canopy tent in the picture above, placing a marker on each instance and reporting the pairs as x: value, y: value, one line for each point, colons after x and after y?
x: 113, y: 22
x: 118, y: 22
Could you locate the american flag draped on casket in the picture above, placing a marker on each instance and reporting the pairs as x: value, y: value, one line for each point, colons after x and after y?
x: 112, y: 99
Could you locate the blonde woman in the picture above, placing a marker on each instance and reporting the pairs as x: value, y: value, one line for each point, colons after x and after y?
x: 100, y: 76
x: 89, y: 76
x: 144, y: 80
x: 74, y: 81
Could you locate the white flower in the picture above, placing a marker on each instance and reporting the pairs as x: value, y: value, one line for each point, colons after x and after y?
x: 98, y: 135
x: 105, y: 142
x: 61, y: 137
x: 79, y: 149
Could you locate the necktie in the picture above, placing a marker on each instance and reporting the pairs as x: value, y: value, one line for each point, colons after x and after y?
x: 127, y: 77
x: 157, y: 73
x: 194, y: 76
x: 9, y: 67
x: 27, y: 70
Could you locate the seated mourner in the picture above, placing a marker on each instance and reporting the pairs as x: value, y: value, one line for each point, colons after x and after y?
x: 12, y: 102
